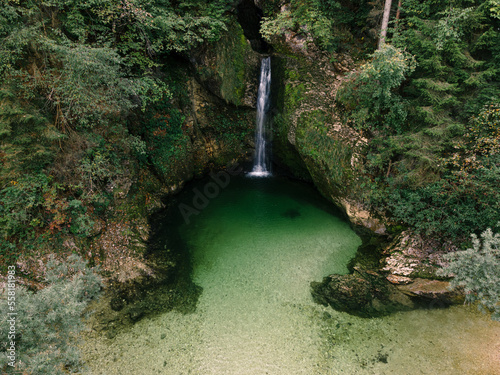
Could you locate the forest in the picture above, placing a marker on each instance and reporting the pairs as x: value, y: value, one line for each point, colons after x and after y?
x: 96, y: 122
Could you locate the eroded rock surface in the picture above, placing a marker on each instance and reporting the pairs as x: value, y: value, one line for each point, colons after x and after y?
x: 362, y: 293
x: 412, y: 255
x: 436, y: 293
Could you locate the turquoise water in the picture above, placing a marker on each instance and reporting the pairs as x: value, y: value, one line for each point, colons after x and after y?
x: 255, y: 246
x: 255, y: 250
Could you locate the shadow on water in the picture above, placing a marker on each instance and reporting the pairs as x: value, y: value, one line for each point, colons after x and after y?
x: 197, y: 199
x: 291, y: 213
x: 167, y: 247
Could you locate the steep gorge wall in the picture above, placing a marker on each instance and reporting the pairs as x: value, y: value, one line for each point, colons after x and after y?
x: 214, y: 94
x: 212, y: 109
x: 309, y: 138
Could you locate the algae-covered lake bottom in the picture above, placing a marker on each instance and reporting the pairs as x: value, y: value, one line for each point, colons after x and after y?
x: 255, y: 248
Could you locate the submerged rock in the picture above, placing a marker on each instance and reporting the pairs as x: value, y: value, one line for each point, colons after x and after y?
x: 136, y: 314
x: 362, y: 293
x: 292, y: 213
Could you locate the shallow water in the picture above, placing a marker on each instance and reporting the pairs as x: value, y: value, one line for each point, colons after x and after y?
x: 255, y: 248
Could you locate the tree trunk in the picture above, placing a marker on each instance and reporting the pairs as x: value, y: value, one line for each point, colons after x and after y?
x: 385, y: 23
x: 398, y: 13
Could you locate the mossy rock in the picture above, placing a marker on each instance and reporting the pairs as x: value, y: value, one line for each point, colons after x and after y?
x: 229, y: 68
x: 308, y: 138
x: 362, y: 293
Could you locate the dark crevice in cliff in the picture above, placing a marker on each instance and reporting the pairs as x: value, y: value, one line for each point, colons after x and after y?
x: 286, y: 158
x: 249, y: 17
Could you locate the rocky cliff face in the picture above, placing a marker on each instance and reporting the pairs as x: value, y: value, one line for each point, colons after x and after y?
x: 312, y: 142
x: 217, y: 100
x: 309, y: 138
x: 229, y: 69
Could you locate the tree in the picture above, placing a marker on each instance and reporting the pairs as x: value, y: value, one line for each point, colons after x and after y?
x: 370, y: 96
x: 385, y: 23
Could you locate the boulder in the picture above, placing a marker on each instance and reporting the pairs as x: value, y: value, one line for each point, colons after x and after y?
x: 368, y: 294
x: 363, y: 293
x: 415, y: 256
x: 434, y: 293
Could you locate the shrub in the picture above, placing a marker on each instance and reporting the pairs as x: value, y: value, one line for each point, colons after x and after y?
x: 48, y: 322
x: 447, y: 208
x: 370, y: 97
x: 477, y: 270
x: 34, y: 205
x: 21, y: 205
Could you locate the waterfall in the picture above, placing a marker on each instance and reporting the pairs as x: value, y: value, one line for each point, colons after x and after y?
x: 261, y: 166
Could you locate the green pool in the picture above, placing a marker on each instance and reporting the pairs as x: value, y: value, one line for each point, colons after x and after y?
x: 255, y: 246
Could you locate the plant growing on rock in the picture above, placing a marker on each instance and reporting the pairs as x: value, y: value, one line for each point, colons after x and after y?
x: 477, y: 270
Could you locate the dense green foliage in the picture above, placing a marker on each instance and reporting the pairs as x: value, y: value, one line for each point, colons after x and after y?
x: 477, y: 270
x: 456, y: 46
x: 378, y: 105
x: 439, y: 183
x: 432, y: 161
x: 162, y: 131
x: 446, y: 207
x: 427, y: 101
x: 75, y: 78
x: 49, y: 321
x: 334, y: 25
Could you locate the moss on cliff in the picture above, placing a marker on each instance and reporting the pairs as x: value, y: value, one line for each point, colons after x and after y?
x: 231, y: 55
x: 309, y: 139
x: 284, y: 99
x: 328, y: 158
x: 229, y: 69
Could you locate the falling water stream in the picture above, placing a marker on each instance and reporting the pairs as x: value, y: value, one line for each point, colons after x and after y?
x: 255, y: 249
x: 261, y: 160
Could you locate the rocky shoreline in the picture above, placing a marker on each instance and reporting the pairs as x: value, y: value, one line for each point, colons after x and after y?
x: 400, y: 276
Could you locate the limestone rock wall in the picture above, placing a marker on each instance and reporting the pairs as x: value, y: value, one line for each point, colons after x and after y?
x: 229, y: 69
x: 310, y: 139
